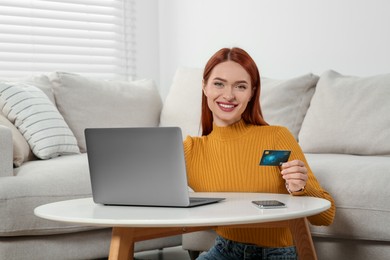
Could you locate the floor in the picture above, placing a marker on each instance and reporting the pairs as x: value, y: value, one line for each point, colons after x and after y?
x: 172, y: 253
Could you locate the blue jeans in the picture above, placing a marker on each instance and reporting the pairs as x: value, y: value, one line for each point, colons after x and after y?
x: 225, y: 249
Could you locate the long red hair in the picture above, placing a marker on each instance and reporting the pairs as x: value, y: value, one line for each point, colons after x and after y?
x: 252, y: 113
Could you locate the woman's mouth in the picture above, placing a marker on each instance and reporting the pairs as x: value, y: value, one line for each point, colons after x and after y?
x: 227, y: 107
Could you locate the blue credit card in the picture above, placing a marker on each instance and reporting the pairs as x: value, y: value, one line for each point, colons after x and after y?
x: 274, y: 157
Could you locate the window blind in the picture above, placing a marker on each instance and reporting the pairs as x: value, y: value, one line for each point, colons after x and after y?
x: 90, y: 37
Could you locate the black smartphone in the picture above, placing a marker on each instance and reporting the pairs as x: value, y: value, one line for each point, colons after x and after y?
x: 269, y: 204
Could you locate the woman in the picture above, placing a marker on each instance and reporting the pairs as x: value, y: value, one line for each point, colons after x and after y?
x: 226, y: 157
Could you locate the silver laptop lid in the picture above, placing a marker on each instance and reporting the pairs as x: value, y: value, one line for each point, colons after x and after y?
x: 137, y: 166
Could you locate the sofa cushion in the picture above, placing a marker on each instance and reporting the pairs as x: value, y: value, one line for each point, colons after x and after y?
x: 43, y: 83
x: 38, y: 120
x: 284, y: 102
x: 39, y: 182
x: 348, y: 115
x: 361, y: 195
x: 86, y: 103
x: 182, y: 106
x: 40, y: 81
x: 21, y: 149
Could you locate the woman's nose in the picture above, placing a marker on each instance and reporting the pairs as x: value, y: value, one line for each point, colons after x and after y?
x: 228, y: 94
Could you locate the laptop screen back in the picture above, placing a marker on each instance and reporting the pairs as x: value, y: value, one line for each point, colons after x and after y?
x: 137, y: 166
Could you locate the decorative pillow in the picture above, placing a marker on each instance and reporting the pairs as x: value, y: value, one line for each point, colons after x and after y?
x: 21, y: 149
x: 284, y: 102
x: 22, y: 152
x: 348, y: 115
x: 87, y: 103
x: 37, y: 119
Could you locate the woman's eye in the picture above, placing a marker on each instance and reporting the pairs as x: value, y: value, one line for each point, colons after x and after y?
x: 241, y: 87
x: 218, y: 84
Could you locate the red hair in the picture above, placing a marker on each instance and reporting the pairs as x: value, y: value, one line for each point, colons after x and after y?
x: 252, y: 113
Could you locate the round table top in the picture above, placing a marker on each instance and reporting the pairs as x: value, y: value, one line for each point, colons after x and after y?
x: 235, y: 209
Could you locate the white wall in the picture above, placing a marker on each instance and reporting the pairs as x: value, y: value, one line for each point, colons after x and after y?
x: 286, y: 38
x: 147, y: 39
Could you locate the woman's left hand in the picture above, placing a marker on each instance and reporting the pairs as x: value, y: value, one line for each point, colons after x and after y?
x: 295, y: 175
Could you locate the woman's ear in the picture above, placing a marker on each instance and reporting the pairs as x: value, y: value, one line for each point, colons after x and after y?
x: 204, y: 87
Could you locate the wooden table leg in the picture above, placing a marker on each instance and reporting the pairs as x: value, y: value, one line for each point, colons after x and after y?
x: 122, y: 244
x: 302, y: 238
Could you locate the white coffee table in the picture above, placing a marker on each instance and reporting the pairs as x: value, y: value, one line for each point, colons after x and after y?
x: 131, y: 224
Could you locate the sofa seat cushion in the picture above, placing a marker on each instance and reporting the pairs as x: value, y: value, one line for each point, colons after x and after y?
x: 361, y: 195
x: 40, y: 182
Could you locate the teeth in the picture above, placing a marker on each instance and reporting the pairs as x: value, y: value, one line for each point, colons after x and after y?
x: 226, y: 106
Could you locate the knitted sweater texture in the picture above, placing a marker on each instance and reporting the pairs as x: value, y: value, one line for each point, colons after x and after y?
x: 227, y: 160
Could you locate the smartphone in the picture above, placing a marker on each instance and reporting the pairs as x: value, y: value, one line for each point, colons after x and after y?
x: 274, y: 157
x: 269, y: 204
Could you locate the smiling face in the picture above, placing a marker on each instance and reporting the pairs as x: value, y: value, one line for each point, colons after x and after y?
x: 228, y: 91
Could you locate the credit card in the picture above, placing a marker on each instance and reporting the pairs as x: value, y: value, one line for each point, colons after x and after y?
x: 274, y: 157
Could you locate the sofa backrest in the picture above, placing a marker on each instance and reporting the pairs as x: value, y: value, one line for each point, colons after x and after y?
x: 83, y: 102
x: 332, y: 113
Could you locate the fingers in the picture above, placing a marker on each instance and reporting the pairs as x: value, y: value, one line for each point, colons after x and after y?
x: 295, y: 174
x: 295, y: 166
x: 296, y: 163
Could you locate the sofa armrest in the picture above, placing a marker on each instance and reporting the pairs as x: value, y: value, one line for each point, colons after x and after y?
x: 6, y: 154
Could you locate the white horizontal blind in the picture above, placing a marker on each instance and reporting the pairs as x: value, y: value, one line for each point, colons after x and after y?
x: 90, y: 37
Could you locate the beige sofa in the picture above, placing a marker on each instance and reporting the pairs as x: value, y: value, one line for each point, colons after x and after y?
x: 343, y: 126
x: 341, y: 123
x: 82, y: 102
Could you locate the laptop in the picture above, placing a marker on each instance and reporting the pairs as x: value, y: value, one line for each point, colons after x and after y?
x: 139, y: 167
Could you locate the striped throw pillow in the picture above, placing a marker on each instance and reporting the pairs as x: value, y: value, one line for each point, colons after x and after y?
x: 37, y: 119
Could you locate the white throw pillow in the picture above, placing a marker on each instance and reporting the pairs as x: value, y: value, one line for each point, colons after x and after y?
x: 85, y: 103
x: 37, y: 119
x: 349, y: 115
x: 283, y: 102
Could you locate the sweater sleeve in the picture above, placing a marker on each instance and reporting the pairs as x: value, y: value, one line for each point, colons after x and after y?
x: 312, y: 188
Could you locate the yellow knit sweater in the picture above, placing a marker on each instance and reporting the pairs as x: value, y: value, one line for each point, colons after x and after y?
x: 227, y: 160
